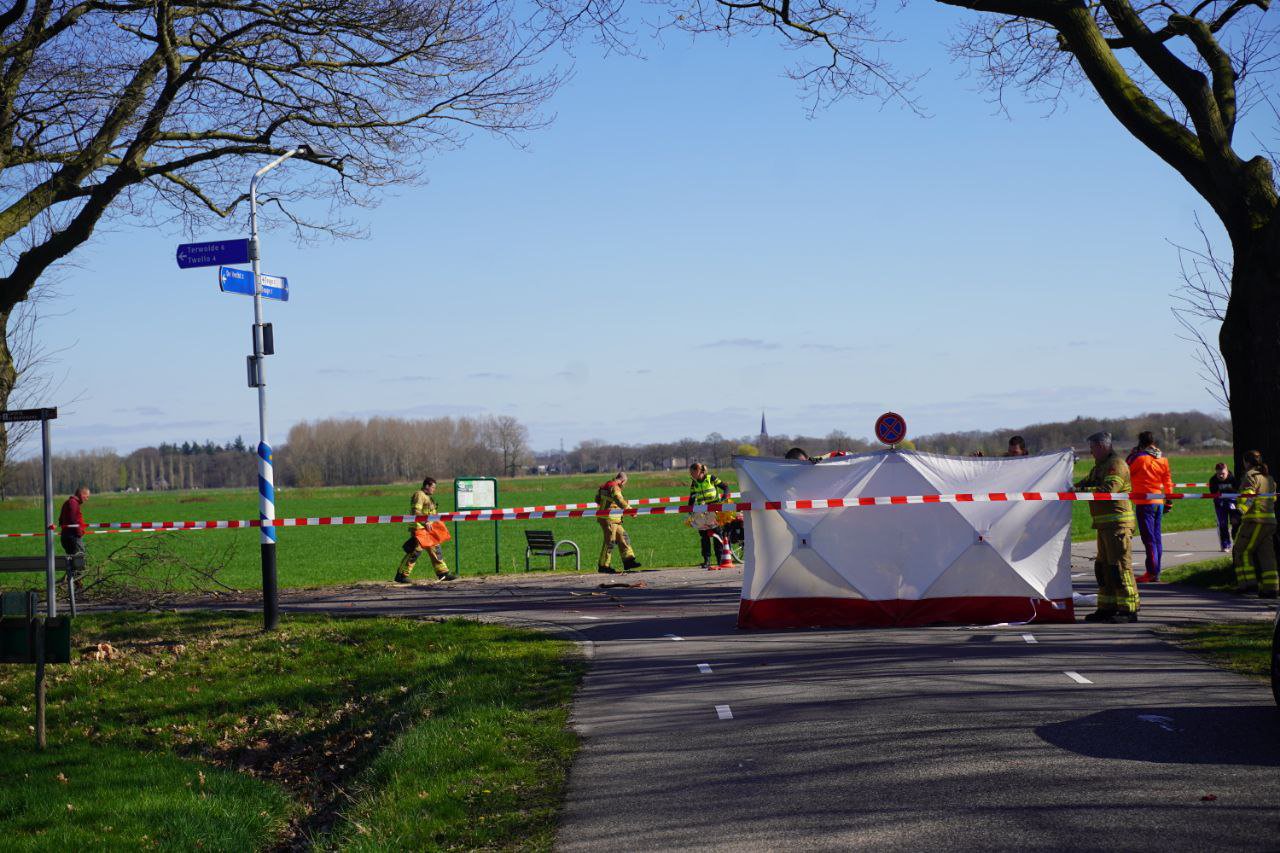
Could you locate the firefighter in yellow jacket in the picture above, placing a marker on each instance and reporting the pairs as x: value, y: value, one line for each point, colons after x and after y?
x: 1114, y: 522
x: 1255, y: 544
x: 422, y: 503
x: 609, y: 496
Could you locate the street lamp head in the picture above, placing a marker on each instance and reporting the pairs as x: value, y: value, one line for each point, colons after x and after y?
x: 317, y: 154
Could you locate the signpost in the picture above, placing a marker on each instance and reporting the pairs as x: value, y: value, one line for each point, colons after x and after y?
x: 233, y: 280
x: 213, y: 253
x: 891, y: 429
x: 475, y: 493
x: 35, y: 648
x: 43, y: 416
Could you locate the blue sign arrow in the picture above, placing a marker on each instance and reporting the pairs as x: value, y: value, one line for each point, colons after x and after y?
x: 232, y: 280
x: 213, y: 253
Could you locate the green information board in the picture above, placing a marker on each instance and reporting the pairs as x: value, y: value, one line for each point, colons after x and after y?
x: 471, y: 493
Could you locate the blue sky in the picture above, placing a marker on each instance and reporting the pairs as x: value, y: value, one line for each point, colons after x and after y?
x: 680, y: 249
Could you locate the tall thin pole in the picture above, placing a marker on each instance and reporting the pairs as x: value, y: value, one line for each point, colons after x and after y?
x: 266, y: 476
x: 49, y: 583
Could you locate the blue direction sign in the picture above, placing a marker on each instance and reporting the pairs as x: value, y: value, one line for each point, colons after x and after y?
x: 233, y: 280
x: 213, y: 253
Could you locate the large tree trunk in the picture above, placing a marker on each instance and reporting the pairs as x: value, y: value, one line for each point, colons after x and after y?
x: 1250, y: 344
x: 8, y: 378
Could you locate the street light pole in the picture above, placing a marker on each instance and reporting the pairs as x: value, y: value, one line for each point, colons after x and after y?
x: 257, y: 377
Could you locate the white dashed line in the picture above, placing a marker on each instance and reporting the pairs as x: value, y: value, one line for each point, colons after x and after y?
x: 723, y: 712
x: 595, y: 618
x: 1030, y: 638
x: 672, y: 637
x: 1188, y: 554
x: 1076, y: 677
x: 704, y: 668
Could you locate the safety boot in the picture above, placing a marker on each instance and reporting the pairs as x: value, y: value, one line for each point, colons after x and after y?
x: 1100, y: 616
x: 606, y: 570
x: 630, y: 564
x: 401, y: 577
x: 1268, y: 593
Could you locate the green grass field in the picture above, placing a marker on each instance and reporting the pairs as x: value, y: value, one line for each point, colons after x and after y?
x: 318, y: 556
x: 201, y: 732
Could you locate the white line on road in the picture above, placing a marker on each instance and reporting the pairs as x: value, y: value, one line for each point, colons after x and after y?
x: 596, y: 618
x: 704, y: 668
x: 1030, y: 638
x: 672, y: 637
x: 723, y: 712
x: 1188, y: 554
x: 1076, y: 677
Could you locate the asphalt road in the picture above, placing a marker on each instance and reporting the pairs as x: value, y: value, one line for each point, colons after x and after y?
x: 700, y: 736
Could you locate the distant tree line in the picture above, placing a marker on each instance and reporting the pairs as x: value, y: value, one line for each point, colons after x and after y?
x: 384, y: 450
x: 169, y: 466
x: 1175, y: 431
x: 329, y: 452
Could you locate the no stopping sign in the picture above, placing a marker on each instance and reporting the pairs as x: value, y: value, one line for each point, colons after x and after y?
x: 891, y: 428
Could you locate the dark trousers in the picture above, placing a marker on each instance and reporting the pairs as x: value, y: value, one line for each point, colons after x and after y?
x: 1149, y: 518
x: 1223, y: 511
x: 709, y: 554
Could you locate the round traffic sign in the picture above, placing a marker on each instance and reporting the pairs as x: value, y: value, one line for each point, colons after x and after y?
x: 891, y: 428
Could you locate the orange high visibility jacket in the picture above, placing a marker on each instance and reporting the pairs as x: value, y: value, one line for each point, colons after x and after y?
x: 1150, y: 475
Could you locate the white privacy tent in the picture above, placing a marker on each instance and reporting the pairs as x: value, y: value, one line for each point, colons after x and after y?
x: 912, y: 564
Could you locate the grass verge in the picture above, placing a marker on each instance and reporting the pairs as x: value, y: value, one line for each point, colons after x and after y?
x: 1243, y: 647
x: 198, y: 731
x: 1215, y: 574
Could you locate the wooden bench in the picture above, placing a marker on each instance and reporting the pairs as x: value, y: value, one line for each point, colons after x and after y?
x: 543, y: 543
x: 70, y: 565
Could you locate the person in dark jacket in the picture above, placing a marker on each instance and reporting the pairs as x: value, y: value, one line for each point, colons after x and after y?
x: 71, y: 522
x: 1223, y: 482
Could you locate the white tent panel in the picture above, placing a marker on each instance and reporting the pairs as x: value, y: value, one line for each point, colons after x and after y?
x: 905, y: 564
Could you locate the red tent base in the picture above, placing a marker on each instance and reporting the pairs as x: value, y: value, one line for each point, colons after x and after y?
x: 900, y: 612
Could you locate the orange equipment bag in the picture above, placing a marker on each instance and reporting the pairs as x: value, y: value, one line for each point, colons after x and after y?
x: 435, y: 533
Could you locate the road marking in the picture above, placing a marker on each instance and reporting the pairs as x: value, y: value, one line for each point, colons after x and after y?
x: 723, y: 712
x: 1188, y: 554
x: 1079, y: 575
x: 1076, y: 677
x: 672, y: 637
x: 704, y: 668
x: 596, y: 618
x: 1030, y: 638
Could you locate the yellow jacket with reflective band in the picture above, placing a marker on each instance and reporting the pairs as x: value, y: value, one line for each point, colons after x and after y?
x: 1109, y: 475
x: 707, y: 490
x: 609, y: 496
x: 421, y: 504
x: 1254, y: 508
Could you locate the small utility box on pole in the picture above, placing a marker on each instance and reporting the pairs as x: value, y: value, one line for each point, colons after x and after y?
x: 475, y: 493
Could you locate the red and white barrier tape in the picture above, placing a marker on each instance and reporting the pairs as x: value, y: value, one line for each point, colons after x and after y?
x: 536, y: 513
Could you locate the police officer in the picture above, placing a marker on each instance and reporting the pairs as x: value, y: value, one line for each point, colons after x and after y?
x: 1255, y: 546
x: 1114, y: 522
x: 707, y: 488
x: 422, y: 503
x: 609, y: 496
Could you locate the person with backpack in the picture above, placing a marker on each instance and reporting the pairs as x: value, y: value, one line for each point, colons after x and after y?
x: 609, y: 496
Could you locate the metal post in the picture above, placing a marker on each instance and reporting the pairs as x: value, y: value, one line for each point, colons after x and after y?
x: 497, y: 560
x: 457, y: 550
x: 266, y: 477
x: 50, y: 584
